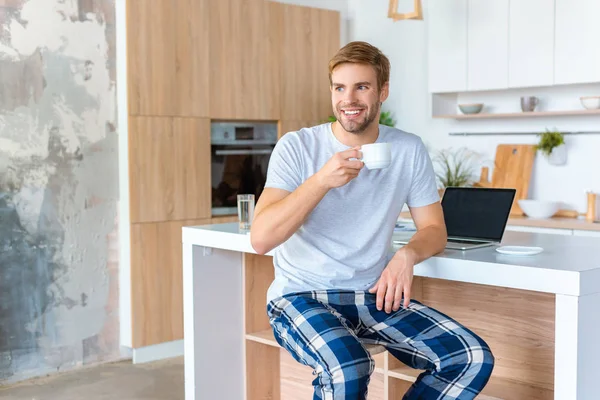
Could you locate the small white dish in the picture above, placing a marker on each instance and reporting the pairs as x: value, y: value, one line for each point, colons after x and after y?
x: 519, y: 250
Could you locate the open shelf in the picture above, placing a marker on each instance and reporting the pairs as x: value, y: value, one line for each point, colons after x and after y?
x: 496, y: 389
x: 267, y: 338
x: 519, y: 114
x: 264, y: 337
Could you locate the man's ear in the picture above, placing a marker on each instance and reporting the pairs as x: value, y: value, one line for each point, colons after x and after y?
x: 385, y: 92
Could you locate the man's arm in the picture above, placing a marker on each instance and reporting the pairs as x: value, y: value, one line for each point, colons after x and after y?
x: 397, y: 277
x: 431, y: 236
x: 279, y: 213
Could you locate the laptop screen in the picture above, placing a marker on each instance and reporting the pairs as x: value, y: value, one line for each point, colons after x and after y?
x: 478, y: 213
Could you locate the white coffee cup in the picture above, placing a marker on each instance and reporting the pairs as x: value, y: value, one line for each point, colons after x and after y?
x: 376, y: 155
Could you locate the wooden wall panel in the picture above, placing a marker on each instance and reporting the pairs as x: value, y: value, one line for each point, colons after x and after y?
x: 286, y: 126
x: 192, y: 63
x: 244, y: 60
x: 157, y: 281
x: 517, y: 325
x: 167, y: 55
x: 310, y: 38
x: 258, y: 276
x: 169, y: 161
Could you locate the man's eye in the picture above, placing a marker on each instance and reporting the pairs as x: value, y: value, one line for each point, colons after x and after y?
x: 362, y: 87
x: 339, y: 89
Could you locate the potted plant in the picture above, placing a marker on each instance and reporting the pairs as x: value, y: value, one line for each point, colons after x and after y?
x: 385, y: 118
x: 454, y: 168
x: 552, y: 145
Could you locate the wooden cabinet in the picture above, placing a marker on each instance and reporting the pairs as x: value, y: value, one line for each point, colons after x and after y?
x: 157, y: 281
x: 290, y: 126
x: 190, y: 62
x: 577, y: 54
x: 169, y: 167
x: 167, y: 56
x: 310, y: 38
x: 447, y: 47
x: 244, y: 60
x: 531, y: 43
x: 487, y: 50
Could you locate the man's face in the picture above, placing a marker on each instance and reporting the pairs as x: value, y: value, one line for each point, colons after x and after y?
x: 355, y: 97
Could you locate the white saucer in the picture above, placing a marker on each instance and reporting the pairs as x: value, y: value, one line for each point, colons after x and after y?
x: 519, y: 250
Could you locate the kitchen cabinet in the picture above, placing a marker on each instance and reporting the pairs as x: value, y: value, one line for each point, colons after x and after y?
x: 290, y: 126
x: 245, y: 60
x: 447, y: 47
x: 311, y: 37
x: 242, y: 55
x: 531, y: 43
x: 577, y: 54
x: 157, y: 281
x: 168, y: 159
x: 487, y: 49
x: 167, y: 56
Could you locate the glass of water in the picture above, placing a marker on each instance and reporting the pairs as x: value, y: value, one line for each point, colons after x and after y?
x: 245, y: 205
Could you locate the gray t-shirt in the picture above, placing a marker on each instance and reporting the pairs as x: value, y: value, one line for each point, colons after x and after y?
x: 345, y: 241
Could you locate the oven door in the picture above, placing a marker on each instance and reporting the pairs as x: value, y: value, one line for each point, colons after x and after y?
x: 237, y: 169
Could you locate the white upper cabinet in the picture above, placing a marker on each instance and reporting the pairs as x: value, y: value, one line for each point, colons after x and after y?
x: 577, y: 51
x: 531, y: 43
x: 487, y: 50
x: 447, y: 47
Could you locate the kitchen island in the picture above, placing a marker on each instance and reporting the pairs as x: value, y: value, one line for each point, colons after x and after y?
x: 540, y: 315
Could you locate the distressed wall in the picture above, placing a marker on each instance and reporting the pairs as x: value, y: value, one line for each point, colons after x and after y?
x: 58, y: 186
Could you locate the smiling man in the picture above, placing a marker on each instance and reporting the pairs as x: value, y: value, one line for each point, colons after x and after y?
x: 330, y: 221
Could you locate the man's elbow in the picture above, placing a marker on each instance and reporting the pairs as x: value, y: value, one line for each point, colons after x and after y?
x: 258, y: 244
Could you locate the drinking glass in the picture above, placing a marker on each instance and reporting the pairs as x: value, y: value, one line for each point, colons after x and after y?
x: 245, y: 205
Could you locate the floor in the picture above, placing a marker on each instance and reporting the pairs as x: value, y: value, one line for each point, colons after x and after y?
x: 161, y: 380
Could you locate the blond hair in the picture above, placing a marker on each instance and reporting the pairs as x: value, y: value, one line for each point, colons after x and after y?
x: 363, y: 53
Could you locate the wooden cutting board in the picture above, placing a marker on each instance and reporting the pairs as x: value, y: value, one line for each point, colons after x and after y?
x: 512, y: 169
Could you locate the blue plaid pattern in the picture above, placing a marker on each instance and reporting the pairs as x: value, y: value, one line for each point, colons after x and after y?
x: 327, y: 330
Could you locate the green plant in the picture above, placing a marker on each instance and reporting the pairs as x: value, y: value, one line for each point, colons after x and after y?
x: 455, y: 168
x: 385, y: 118
x: 549, y: 140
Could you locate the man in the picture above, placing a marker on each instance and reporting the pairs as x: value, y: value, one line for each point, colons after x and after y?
x: 335, y: 289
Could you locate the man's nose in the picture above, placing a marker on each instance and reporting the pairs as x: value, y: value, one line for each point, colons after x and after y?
x: 350, y: 96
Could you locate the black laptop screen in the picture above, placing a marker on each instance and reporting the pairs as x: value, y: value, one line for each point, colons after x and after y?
x: 477, y: 212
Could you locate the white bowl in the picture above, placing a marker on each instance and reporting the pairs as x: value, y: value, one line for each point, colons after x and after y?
x: 474, y: 108
x: 590, y: 102
x: 539, y: 208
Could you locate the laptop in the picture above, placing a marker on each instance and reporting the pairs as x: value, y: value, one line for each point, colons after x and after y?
x: 475, y: 217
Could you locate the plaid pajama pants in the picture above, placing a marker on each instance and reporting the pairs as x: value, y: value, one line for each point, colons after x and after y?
x: 327, y: 330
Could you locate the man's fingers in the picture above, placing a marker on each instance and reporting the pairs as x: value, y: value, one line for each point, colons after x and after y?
x: 351, y: 153
x: 382, y: 286
x: 397, y: 298
x: 389, y: 297
x: 406, y: 295
x: 374, y: 288
x: 354, y: 164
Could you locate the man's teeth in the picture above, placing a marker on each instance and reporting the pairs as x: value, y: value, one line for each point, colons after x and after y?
x: 352, y: 112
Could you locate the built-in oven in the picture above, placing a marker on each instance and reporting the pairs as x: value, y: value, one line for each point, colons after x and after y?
x: 240, y: 154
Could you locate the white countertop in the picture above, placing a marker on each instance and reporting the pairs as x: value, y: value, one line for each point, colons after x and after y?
x: 568, y: 265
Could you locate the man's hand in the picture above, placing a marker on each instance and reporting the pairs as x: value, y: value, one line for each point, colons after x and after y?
x: 395, y: 279
x: 340, y: 170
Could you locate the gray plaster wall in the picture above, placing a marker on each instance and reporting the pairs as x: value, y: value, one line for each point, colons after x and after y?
x: 58, y: 186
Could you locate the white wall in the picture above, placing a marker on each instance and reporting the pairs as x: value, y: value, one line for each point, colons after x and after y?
x: 405, y: 43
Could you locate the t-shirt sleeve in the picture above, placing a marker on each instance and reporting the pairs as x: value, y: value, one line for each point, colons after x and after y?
x: 285, y: 164
x: 423, y: 189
